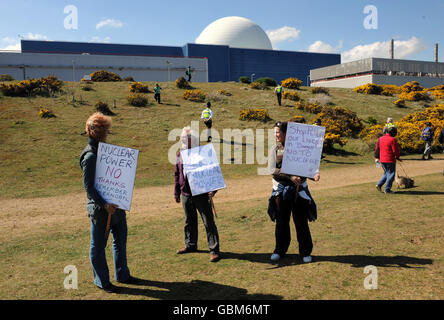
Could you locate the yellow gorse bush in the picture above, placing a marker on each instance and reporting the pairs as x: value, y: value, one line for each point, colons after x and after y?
x: 139, y: 87
x: 32, y: 87
x: 254, y: 114
x: 195, y: 95
x: 223, y: 93
x: 410, y: 128
x: 291, y: 96
x: 46, y: 113
x: 105, y: 76
x: 291, y: 83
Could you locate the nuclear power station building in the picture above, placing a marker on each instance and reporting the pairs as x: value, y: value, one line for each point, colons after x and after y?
x: 226, y: 49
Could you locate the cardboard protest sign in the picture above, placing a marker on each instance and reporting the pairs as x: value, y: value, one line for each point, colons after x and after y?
x: 303, y: 149
x: 115, y: 174
x: 202, y: 169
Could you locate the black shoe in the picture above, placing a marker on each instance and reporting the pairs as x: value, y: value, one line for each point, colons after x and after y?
x: 110, y: 288
x: 132, y: 280
x: 429, y: 158
x: 186, y: 250
x: 423, y: 157
x: 389, y: 192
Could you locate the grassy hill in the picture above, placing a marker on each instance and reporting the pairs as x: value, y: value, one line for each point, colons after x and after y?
x: 40, y: 156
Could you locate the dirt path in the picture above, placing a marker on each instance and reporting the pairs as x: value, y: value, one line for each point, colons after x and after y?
x: 24, y: 217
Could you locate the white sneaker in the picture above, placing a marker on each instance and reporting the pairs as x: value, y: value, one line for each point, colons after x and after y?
x: 275, y: 257
x: 306, y: 259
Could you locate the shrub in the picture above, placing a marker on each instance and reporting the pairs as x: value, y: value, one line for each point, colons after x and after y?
x: 86, y: 87
x: 390, y: 89
x: 298, y: 119
x: 411, y: 86
x: 103, y: 108
x: 46, y: 113
x: 32, y: 87
x: 316, y: 90
x: 137, y: 100
x: 410, y: 128
x: 437, y: 92
x: 128, y: 79
x: 244, y: 79
x: 254, y: 114
x: 400, y: 103
x: 223, y: 93
x: 291, y: 96
x: 139, y: 87
x: 369, y: 88
x: 195, y: 95
x: 6, y: 77
x: 371, y: 121
x: 267, y: 81
x: 291, y: 83
x: 314, y: 108
x: 182, y: 83
x: 414, y: 96
x: 105, y: 76
x: 258, y: 86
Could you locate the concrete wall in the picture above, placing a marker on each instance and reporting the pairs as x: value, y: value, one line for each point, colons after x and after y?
x: 351, y: 82
x: 141, y: 68
x: 344, y: 69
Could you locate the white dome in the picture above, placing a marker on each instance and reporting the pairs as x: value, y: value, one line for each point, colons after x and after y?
x: 236, y: 32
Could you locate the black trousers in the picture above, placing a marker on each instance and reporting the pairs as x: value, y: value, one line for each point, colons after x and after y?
x: 157, y: 97
x: 199, y: 203
x: 300, y: 219
x: 279, y: 97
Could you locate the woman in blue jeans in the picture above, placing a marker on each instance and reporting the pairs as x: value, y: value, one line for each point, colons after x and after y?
x: 97, y: 128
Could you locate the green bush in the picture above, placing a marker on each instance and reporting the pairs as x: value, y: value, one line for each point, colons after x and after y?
x: 182, y: 83
x: 269, y: 82
x: 316, y: 90
x: 244, y: 79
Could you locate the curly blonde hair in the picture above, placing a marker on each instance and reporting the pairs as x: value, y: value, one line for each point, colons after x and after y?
x: 97, y: 126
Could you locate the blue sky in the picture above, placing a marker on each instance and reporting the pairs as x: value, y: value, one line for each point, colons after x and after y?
x: 318, y: 25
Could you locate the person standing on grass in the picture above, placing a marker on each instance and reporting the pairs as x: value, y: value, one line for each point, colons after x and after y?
x: 388, y: 125
x: 97, y: 129
x: 427, y: 136
x: 441, y: 138
x: 290, y: 196
x: 388, y: 155
x: 278, y: 91
x: 157, y: 89
x: 192, y: 204
x: 188, y: 73
x: 207, y: 117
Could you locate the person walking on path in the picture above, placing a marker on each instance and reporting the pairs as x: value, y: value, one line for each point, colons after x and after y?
x: 278, y: 91
x: 207, y: 117
x: 188, y: 73
x: 427, y: 136
x: 192, y: 204
x: 97, y: 128
x: 290, y: 195
x: 157, y: 89
x: 388, y: 151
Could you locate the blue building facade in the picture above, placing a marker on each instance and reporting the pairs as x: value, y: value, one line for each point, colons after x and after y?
x: 224, y: 63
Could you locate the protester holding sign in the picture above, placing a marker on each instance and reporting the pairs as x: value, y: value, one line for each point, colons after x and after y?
x: 97, y: 128
x: 290, y: 195
x: 191, y: 204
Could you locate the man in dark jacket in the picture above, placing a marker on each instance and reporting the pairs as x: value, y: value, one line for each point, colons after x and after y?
x: 427, y: 136
x: 388, y: 154
x: 441, y: 138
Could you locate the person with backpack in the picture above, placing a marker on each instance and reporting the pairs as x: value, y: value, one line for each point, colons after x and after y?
x: 207, y: 117
x: 427, y: 136
x: 157, y: 89
x: 387, y: 151
x: 97, y: 129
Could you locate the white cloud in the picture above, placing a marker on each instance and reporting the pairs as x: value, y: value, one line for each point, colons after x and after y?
x: 402, y: 49
x: 98, y: 39
x: 322, y: 47
x: 283, y: 34
x: 14, y: 43
x: 109, y: 23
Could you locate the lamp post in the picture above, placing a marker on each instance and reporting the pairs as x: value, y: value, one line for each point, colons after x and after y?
x: 73, y: 71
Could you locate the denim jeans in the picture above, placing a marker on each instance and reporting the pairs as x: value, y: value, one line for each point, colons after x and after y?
x: 388, y: 176
x: 97, y: 254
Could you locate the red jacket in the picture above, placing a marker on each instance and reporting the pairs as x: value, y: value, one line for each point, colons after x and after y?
x: 388, y: 149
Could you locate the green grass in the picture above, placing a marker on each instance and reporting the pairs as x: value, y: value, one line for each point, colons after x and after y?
x: 400, y: 234
x: 39, y: 157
